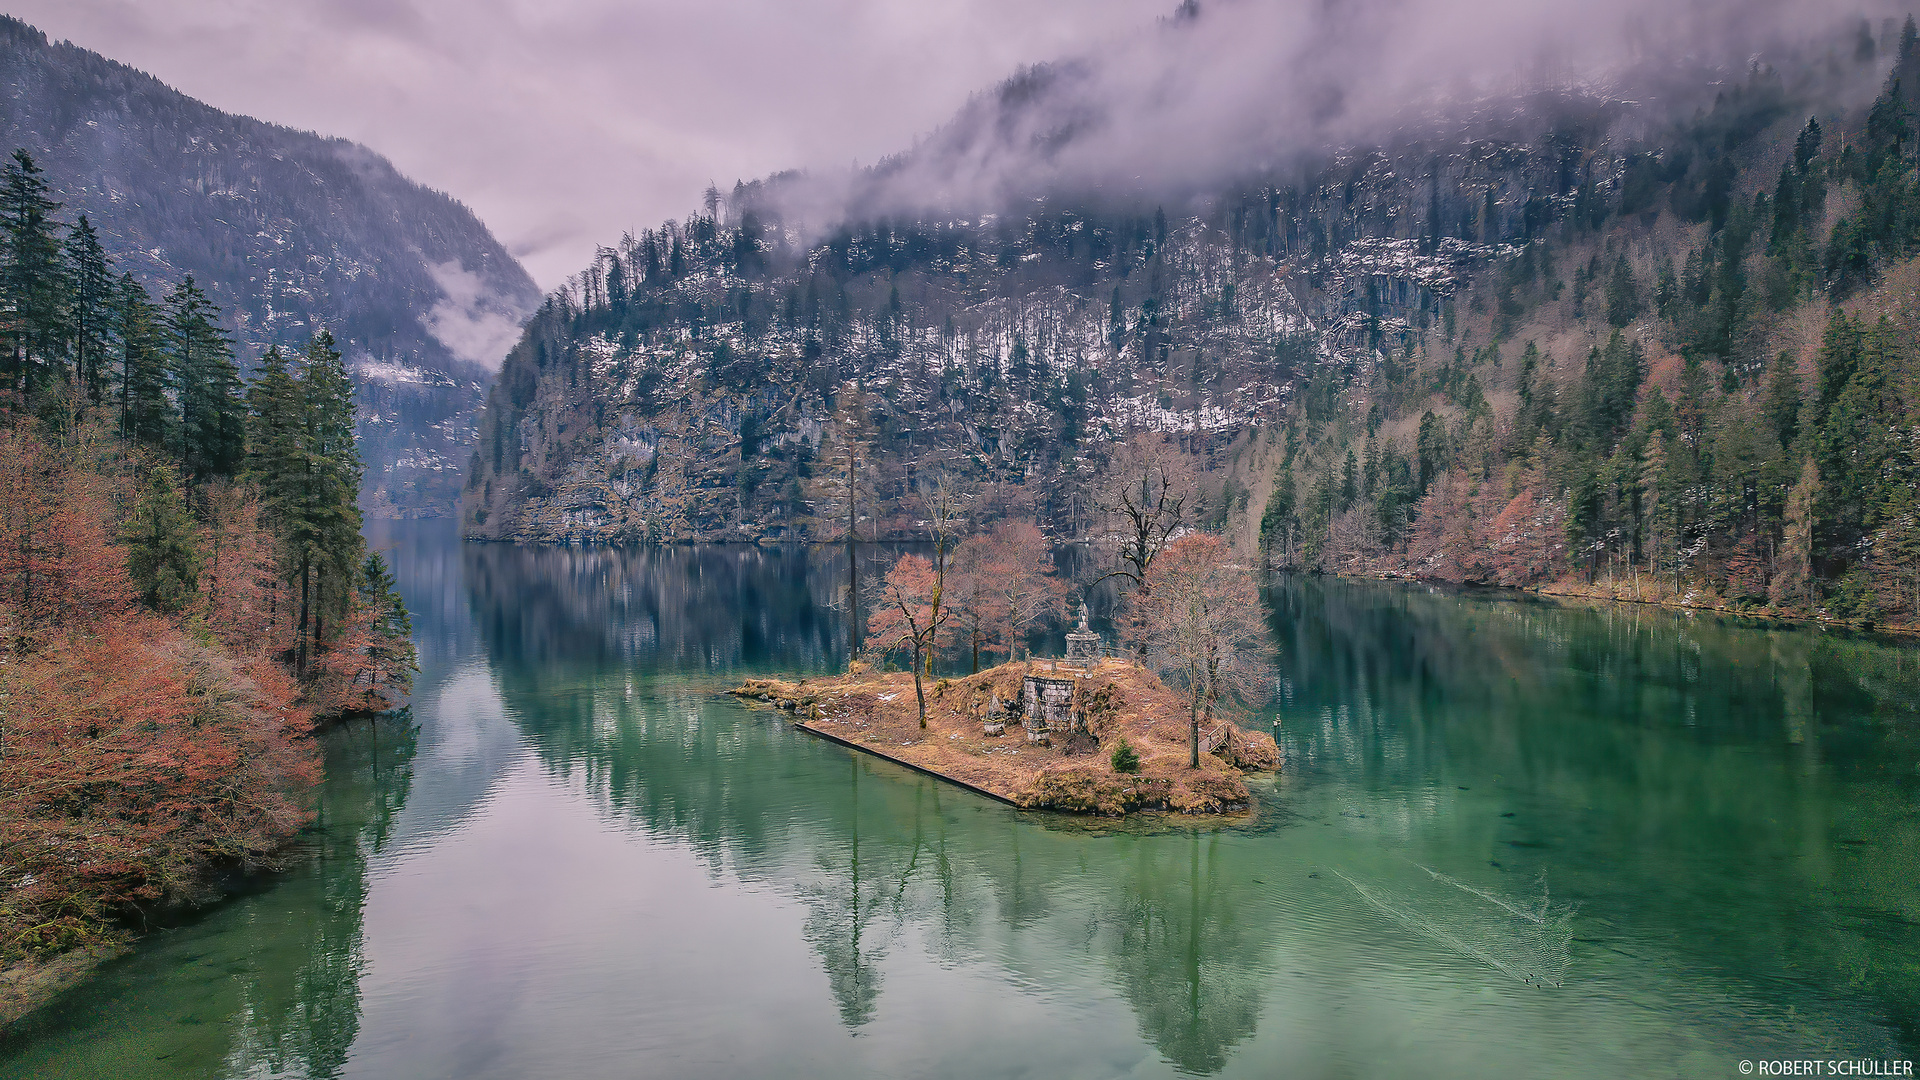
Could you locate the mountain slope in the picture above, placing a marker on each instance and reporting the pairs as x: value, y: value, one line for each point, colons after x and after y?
x: 286, y: 231
x: 694, y: 383
x: 1623, y: 329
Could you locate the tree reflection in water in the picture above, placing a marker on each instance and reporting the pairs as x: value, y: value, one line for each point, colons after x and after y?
x: 879, y: 857
x: 265, y: 984
x: 611, y: 662
x: 1180, y: 956
x: 1730, y: 805
x: 300, y: 1003
x: 838, y: 921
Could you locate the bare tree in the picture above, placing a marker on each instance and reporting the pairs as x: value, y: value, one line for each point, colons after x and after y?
x: 1149, y: 494
x: 971, y: 597
x: 942, y: 501
x: 1025, y: 586
x: 1002, y: 583
x: 1204, y: 628
x: 847, y: 486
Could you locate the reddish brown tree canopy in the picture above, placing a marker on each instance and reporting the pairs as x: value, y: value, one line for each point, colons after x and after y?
x: 1205, y: 628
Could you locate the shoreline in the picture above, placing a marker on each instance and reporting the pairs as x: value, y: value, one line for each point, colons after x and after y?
x: 904, y: 763
x: 28, y: 985
x: 1909, y: 630
x: 1563, y: 589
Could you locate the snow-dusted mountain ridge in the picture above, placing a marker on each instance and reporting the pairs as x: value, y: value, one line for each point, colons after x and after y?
x: 286, y: 231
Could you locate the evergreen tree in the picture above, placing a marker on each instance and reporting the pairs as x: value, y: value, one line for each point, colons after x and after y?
x: 1280, y: 521
x: 212, y: 421
x: 1395, y: 494
x: 1623, y: 299
x: 32, y: 278
x: 1535, y: 412
x: 1806, y: 147
x: 162, y: 556
x: 1433, y: 451
x: 275, y: 442
x: 90, y: 309
x: 331, y: 514
x: 378, y: 588
x: 391, y: 656
x: 147, y: 415
x: 302, y: 455
x: 1783, y: 399
x: 1796, y: 577
x: 1852, y: 426
x: 1610, y: 389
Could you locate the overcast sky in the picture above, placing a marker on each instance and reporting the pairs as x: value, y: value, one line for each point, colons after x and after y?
x: 565, y: 122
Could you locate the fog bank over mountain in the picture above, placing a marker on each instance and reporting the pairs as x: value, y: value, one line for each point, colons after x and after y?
x: 562, y: 124
x: 1221, y: 92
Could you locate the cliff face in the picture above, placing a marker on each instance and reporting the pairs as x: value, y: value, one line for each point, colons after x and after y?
x: 705, y: 381
x: 743, y: 376
x: 286, y: 231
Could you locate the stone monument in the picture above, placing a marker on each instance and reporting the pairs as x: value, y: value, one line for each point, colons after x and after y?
x: 996, y: 722
x: 1083, y: 645
x: 1047, y: 706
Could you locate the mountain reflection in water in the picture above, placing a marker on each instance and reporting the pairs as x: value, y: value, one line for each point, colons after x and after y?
x: 580, y: 859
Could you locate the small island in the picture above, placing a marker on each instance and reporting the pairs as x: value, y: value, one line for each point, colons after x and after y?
x: 1037, y: 734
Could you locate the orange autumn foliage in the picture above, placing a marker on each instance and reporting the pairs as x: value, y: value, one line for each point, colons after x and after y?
x: 359, y: 672
x: 135, y: 755
x: 1206, y: 631
x: 1471, y: 531
x: 1000, y: 585
x: 237, y: 584
x: 56, y: 561
x: 1528, y: 539
x: 136, y: 759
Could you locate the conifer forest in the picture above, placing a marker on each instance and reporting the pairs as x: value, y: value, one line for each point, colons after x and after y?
x: 1667, y: 365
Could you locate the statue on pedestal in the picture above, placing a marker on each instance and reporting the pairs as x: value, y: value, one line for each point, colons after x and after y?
x: 1082, y: 643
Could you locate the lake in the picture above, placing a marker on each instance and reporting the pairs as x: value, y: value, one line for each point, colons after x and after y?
x: 1514, y: 838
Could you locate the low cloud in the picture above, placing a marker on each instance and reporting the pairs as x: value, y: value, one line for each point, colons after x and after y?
x: 565, y: 123
x: 1227, y: 90
x: 470, y: 320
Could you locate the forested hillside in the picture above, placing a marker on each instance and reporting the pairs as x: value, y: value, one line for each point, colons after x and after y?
x: 184, y: 591
x: 1561, y: 334
x: 287, y: 233
x: 1706, y: 395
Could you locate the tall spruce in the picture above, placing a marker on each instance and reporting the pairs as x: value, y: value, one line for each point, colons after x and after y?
x: 33, y: 292
x: 275, y: 441
x: 147, y: 415
x: 163, y: 557
x: 90, y: 310
x: 212, y: 436
x: 302, y: 456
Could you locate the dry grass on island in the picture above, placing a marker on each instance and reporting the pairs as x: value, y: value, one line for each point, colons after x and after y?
x: 876, y: 711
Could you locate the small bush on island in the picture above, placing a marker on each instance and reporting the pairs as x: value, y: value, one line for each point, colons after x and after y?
x: 1125, y: 758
